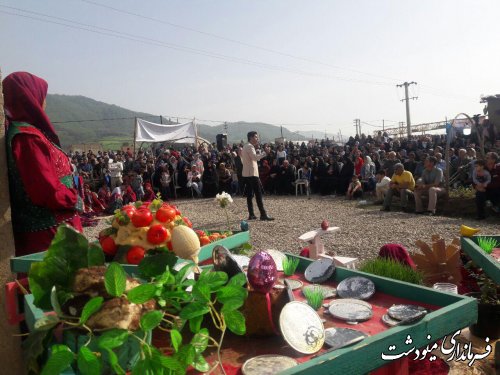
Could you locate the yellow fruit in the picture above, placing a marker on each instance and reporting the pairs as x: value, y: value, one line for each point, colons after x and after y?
x: 185, y: 243
x: 466, y: 231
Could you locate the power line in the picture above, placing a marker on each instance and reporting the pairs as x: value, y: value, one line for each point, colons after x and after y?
x: 234, y: 40
x: 144, y: 40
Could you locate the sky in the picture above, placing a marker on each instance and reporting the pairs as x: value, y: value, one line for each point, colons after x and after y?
x: 307, y: 65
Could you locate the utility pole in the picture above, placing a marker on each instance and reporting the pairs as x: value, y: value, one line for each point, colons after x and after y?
x: 357, y: 124
x: 383, y: 125
x: 407, y: 99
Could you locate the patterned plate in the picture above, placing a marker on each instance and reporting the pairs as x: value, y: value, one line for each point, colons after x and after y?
x: 405, y: 312
x: 302, y: 327
x: 268, y: 364
x: 356, y: 287
x: 350, y: 311
x: 319, y: 271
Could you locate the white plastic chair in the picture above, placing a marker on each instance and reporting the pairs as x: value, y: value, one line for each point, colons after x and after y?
x: 302, y: 182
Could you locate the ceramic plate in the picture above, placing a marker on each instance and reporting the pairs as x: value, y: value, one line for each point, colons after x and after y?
x: 295, y: 284
x: 269, y: 364
x: 389, y: 321
x: 350, y: 311
x: 337, y: 338
x: 223, y: 261
x: 302, y: 327
x: 319, y: 271
x: 278, y: 257
x: 356, y: 287
x: 406, y: 312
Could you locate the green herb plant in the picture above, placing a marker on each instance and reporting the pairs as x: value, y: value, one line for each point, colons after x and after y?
x: 314, y: 297
x: 392, y: 269
x: 487, y: 244
x: 183, y: 305
x: 290, y: 265
x: 489, y: 290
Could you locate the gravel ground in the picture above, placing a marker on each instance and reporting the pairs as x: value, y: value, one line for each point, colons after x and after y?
x: 363, y: 229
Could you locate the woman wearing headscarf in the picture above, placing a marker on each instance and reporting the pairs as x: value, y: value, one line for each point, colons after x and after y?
x: 116, y: 201
x: 40, y: 174
x: 368, y: 174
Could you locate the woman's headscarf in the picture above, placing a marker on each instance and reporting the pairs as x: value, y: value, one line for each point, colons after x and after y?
x: 24, y: 94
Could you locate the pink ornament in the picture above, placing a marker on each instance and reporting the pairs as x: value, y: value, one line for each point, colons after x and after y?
x: 262, y: 272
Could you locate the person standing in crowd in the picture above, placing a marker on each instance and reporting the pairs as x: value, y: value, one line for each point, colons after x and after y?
x: 492, y: 190
x: 115, y: 172
x: 250, y: 174
x: 40, y: 174
x: 429, y: 184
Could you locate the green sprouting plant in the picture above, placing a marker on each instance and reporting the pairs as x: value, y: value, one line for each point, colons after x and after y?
x: 392, y: 269
x: 290, y: 265
x: 489, y: 290
x: 314, y: 297
x: 487, y: 244
x: 180, y: 310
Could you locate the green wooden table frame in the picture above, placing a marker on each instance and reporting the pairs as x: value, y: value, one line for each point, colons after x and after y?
x: 490, y: 265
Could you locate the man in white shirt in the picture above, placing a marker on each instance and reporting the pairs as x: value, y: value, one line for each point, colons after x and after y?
x: 250, y: 174
x: 115, y: 172
x: 382, y: 186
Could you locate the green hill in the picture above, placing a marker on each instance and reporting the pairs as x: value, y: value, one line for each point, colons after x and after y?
x: 67, y: 113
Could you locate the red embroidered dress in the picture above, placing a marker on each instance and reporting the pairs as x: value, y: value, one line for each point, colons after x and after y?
x: 40, y: 178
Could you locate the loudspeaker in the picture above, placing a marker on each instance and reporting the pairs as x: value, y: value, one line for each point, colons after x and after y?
x: 221, y: 140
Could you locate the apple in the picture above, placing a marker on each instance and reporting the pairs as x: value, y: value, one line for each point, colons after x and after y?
x: 325, y: 225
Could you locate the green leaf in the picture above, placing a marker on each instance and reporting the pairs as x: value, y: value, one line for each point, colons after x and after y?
x: 113, y: 361
x: 201, y: 364
x: 169, y: 363
x: 186, y: 354
x: 60, y: 359
x: 95, y: 255
x: 230, y: 292
x: 195, y: 323
x: 200, y: 340
x: 34, y: 347
x: 90, y: 308
x: 239, y: 279
x: 88, y: 363
x: 214, y: 280
x: 147, y: 366
x: 46, y: 322
x: 232, y: 304
x: 141, y: 293
x: 54, y: 301
x: 66, y: 254
x: 183, y: 273
x: 151, y: 320
x: 154, y: 265
x: 201, y: 292
x: 176, y: 338
x: 115, y: 279
x: 193, y: 310
x: 112, y: 339
x: 235, y: 321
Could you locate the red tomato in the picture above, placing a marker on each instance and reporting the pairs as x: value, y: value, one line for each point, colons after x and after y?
x: 177, y: 212
x: 169, y: 246
x: 129, y: 210
x: 165, y: 214
x: 204, y: 240
x: 108, y: 245
x: 135, y: 254
x: 200, y: 233
x: 188, y: 222
x: 142, y: 218
x: 157, y: 234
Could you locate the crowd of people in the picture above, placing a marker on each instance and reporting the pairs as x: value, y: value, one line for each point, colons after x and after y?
x: 365, y: 166
x: 47, y: 188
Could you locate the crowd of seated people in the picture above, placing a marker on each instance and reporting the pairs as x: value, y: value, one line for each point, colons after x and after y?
x: 366, y: 166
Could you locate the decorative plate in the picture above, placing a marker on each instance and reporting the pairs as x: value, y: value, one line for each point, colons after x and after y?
x: 337, y: 338
x: 319, y: 271
x: 356, y: 287
x: 406, y: 312
x: 302, y: 327
x: 268, y: 364
x: 350, y: 310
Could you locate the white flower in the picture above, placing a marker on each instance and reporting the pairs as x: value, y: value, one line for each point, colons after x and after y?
x: 223, y: 199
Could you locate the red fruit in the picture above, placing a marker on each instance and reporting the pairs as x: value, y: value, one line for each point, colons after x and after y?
x: 188, y: 222
x: 204, y: 240
x: 135, y: 255
x: 169, y: 246
x: 177, y: 211
x: 165, y: 214
x: 142, y: 218
x: 213, y: 238
x: 129, y: 210
x: 325, y: 225
x: 200, y: 233
x: 108, y: 245
x: 157, y: 234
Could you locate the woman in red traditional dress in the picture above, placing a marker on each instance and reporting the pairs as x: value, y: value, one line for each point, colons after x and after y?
x: 40, y: 176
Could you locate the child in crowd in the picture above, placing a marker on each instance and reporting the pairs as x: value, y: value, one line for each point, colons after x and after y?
x: 480, y: 176
x: 355, y: 190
